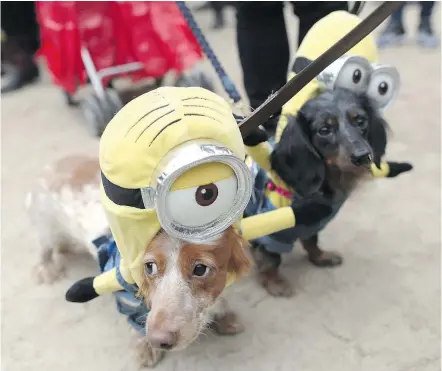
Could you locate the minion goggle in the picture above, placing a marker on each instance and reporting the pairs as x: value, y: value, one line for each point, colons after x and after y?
x: 186, y: 208
x: 380, y: 82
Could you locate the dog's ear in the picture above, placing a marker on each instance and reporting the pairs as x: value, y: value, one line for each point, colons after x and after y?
x: 295, y: 160
x: 240, y: 261
x: 377, y: 133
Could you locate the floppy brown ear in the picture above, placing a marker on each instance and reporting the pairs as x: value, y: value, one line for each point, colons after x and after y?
x: 295, y: 160
x: 240, y: 261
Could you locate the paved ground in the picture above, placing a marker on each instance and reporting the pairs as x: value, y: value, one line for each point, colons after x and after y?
x: 379, y: 311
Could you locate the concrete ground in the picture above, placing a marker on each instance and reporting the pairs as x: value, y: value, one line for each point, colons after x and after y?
x: 380, y: 311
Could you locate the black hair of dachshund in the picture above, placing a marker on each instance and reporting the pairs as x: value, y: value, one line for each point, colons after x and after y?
x: 327, y: 148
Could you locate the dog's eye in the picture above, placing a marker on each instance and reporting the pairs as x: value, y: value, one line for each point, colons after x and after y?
x: 324, y: 131
x: 360, y: 121
x: 201, y: 270
x: 150, y: 269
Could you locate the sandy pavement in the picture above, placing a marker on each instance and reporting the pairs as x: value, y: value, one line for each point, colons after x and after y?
x: 380, y: 311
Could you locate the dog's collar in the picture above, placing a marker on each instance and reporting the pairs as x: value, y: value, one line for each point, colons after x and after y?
x: 281, y: 191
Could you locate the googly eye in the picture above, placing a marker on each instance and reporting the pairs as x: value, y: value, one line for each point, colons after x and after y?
x: 150, y: 269
x: 353, y: 76
x: 383, y: 87
x: 206, y: 195
x: 197, y: 206
x: 200, y: 270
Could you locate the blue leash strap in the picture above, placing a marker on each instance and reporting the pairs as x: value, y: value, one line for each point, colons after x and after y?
x: 227, y: 83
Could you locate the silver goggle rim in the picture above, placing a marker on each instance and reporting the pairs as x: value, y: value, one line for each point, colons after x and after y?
x: 329, y: 76
x: 394, y: 74
x: 176, y: 163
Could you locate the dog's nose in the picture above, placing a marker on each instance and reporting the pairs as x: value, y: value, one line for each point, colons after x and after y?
x: 361, y: 160
x: 360, y: 156
x: 162, y: 339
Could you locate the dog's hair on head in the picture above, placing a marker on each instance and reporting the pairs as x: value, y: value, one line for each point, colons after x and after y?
x: 327, y: 131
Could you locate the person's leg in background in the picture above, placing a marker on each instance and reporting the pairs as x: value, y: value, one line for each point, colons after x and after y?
x: 263, y: 49
x: 218, y: 10
x: 394, y: 32
x: 263, y: 44
x: 309, y: 12
x: 19, y: 23
x: 426, y: 36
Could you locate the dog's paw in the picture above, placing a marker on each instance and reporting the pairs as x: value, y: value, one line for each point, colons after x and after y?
x: 148, y: 357
x: 227, y: 324
x: 326, y: 259
x: 276, y: 284
x: 48, y: 272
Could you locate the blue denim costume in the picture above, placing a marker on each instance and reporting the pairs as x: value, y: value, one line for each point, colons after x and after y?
x: 282, y: 242
x: 127, y: 302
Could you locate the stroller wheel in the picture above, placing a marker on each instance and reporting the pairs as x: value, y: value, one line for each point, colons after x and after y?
x: 196, y: 77
x: 114, y: 103
x: 70, y: 101
x: 159, y: 81
x: 94, y: 114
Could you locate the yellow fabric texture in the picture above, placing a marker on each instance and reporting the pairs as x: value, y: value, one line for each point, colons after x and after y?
x: 264, y: 224
x: 203, y: 174
x: 324, y: 33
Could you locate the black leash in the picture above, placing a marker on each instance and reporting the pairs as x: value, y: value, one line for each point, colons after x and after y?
x: 292, y: 87
x: 227, y: 83
x: 357, y: 7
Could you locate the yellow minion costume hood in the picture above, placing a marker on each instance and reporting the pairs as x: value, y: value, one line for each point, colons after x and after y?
x: 172, y: 159
x: 357, y: 70
x: 151, y: 176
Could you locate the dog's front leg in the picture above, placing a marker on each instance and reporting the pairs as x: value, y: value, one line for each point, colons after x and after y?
x: 319, y: 257
x: 146, y: 355
x: 224, y: 320
x: 268, y: 270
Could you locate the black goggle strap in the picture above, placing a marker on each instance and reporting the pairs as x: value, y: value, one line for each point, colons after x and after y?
x: 122, y: 196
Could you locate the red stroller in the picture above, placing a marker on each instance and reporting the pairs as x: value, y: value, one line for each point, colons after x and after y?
x: 99, y: 41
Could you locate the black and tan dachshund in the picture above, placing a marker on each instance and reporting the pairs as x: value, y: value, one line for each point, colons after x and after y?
x: 324, y: 151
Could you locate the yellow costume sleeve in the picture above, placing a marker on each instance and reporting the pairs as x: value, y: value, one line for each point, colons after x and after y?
x: 107, y: 282
x: 261, y: 155
x: 261, y: 225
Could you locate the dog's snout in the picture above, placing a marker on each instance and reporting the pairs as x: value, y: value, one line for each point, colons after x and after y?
x: 361, y: 158
x: 163, y: 339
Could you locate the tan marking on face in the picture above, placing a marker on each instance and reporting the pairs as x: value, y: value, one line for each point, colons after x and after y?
x: 352, y: 114
x: 331, y: 121
x: 179, y: 301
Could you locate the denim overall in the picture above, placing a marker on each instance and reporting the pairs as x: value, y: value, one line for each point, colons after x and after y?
x: 283, y: 241
x: 127, y: 302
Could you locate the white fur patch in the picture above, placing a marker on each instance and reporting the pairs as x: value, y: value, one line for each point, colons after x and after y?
x: 85, y: 218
